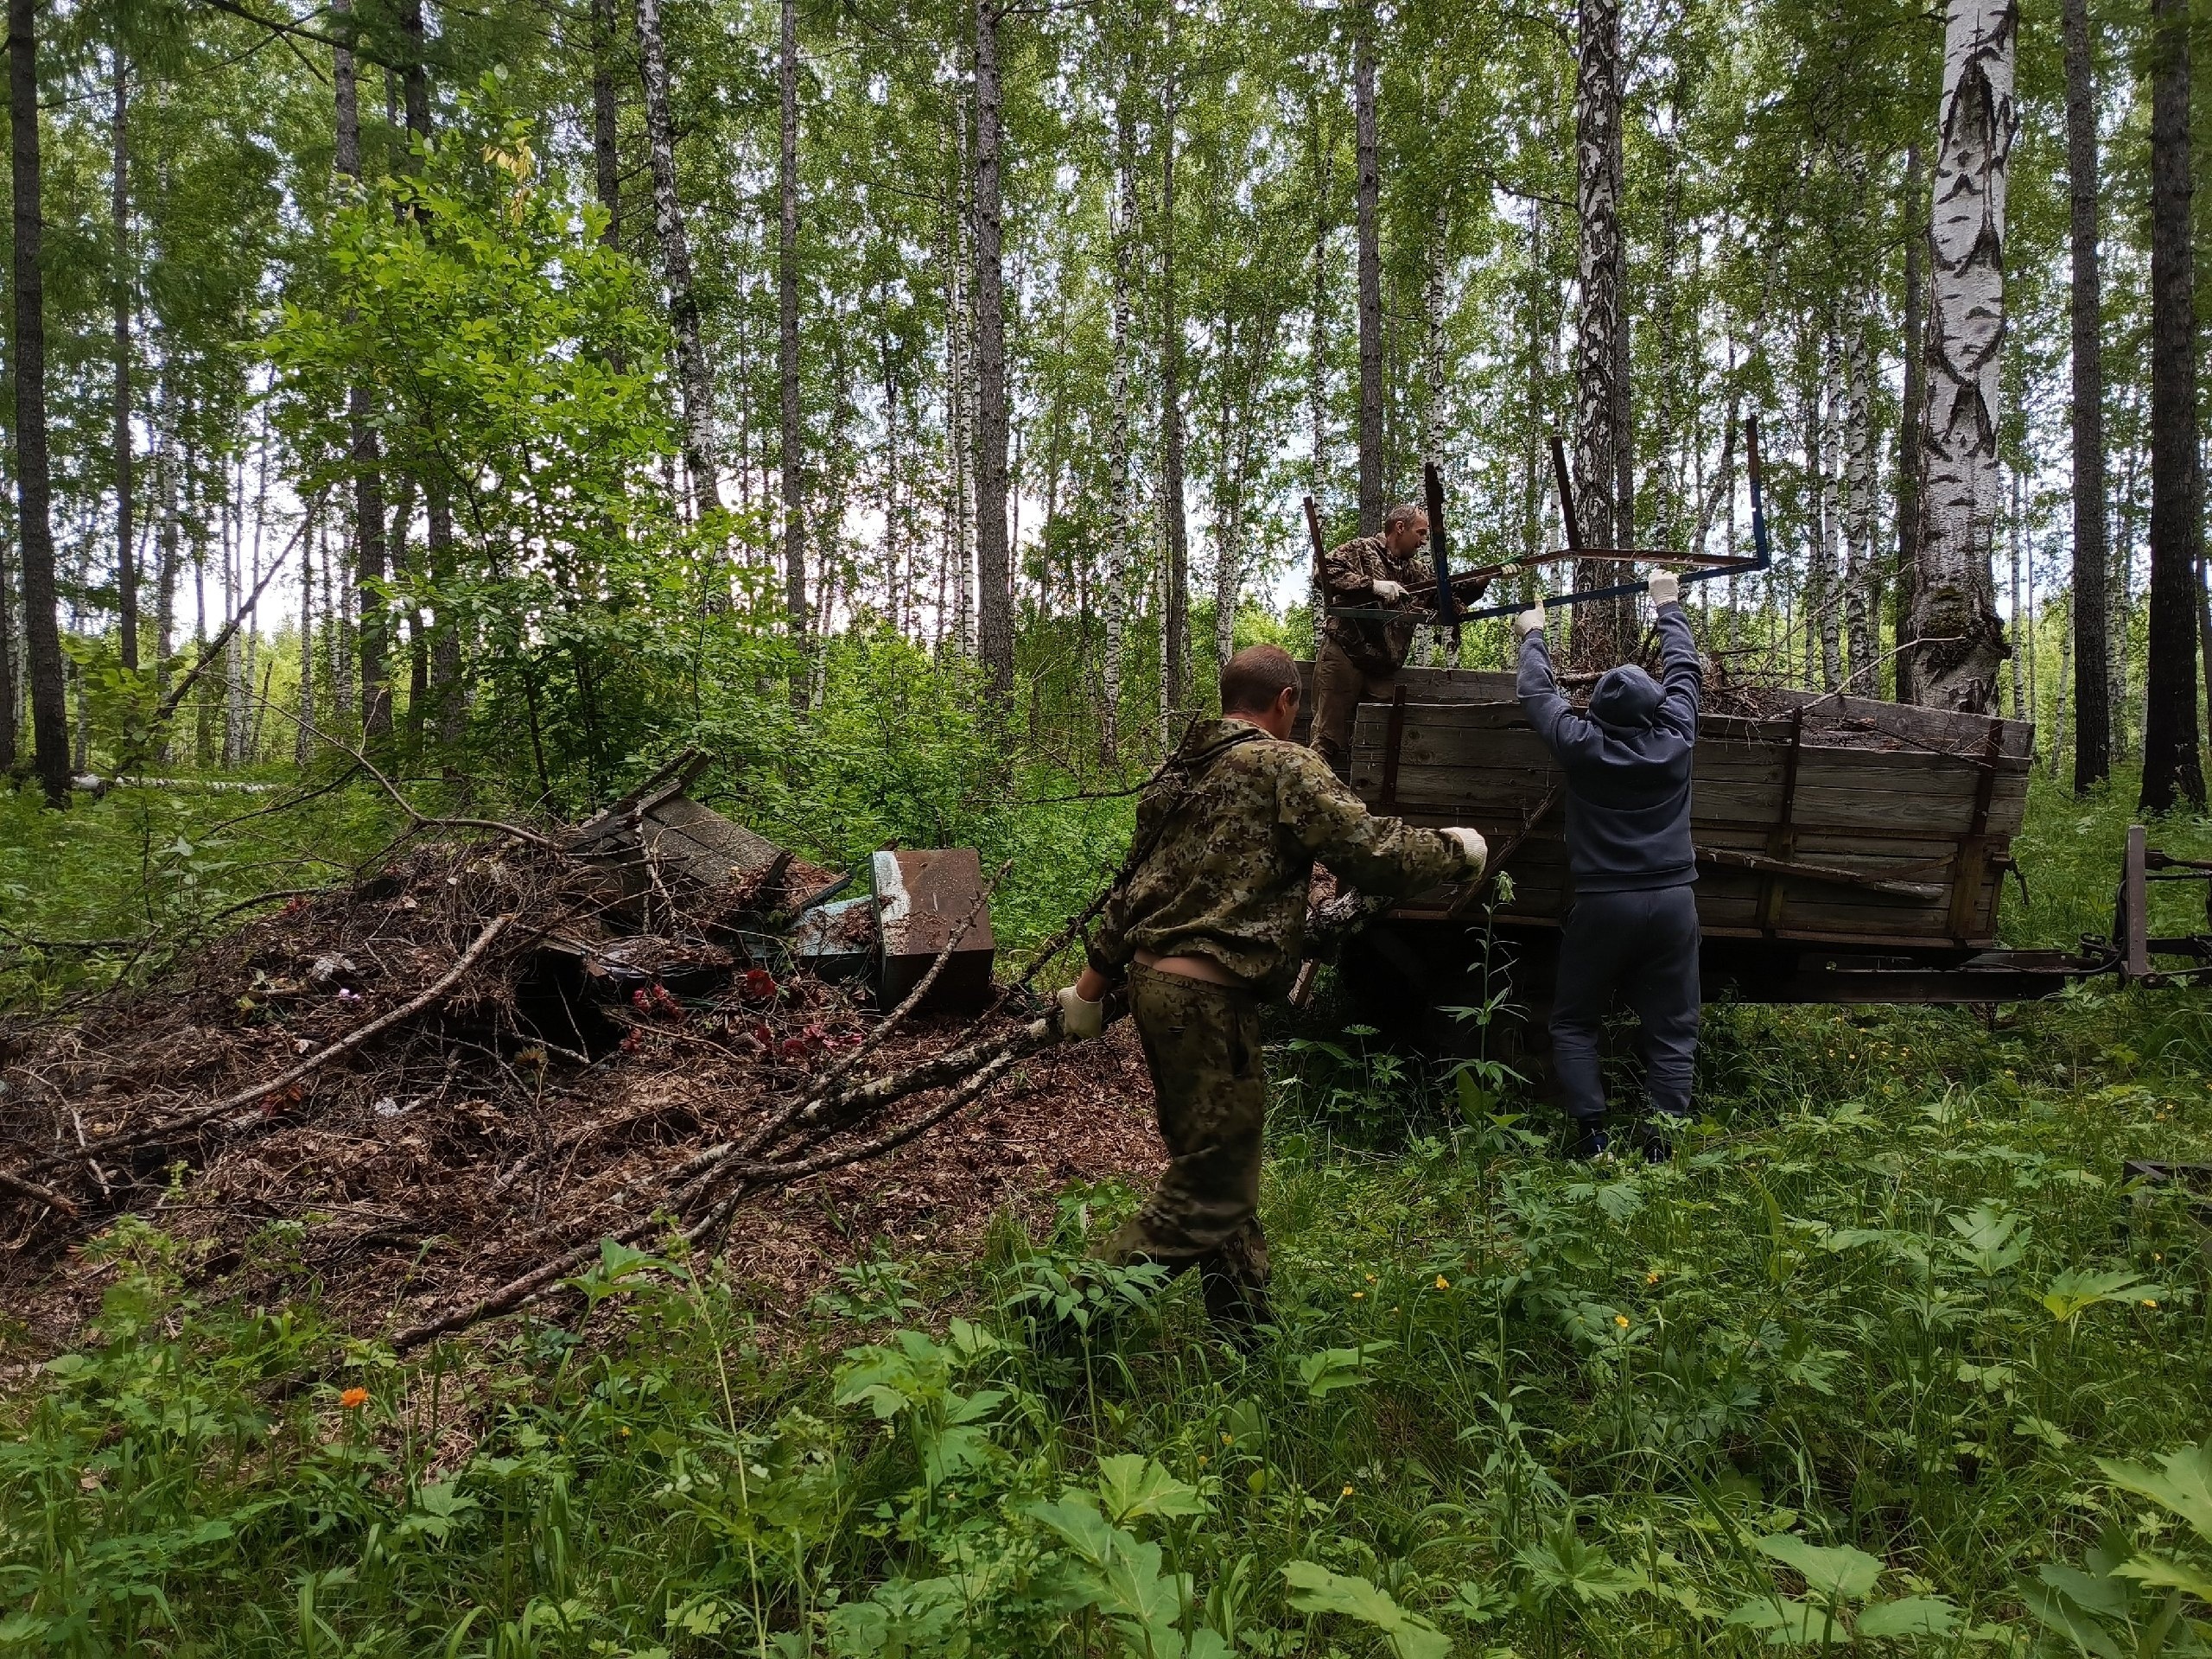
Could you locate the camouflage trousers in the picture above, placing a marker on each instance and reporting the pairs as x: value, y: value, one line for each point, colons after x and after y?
x: 1339, y: 684
x: 1202, y: 1045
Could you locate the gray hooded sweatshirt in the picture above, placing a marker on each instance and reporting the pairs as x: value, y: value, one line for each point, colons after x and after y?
x: 1627, y: 762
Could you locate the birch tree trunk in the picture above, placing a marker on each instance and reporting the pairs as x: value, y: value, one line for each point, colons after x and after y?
x: 165, y: 492
x: 1597, y: 642
x: 994, y: 558
x: 1370, y: 278
x: 33, y: 522
x: 2019, y: 631
x: 1958, y: 639
x: 1858, y: 512
x: 2092, y: 714
x: 963, y: 413
x: 1826, y: 520
x: 1124, y: 223
x: 606, y: 113
x: 2120, y: 598
x: 2067, y: 646
x: 1912, y: 412
x: 2172, y: 770
x: 1426, y: 641
x: 126, y: 547
x: 1538, y: 346
x: 1175, y: 610
x: 1226, y: 508
x: 788, y: 435
x: 693, y: 378
x: 366, y: 448
x: 8, y: 717
x: 1317, y: 355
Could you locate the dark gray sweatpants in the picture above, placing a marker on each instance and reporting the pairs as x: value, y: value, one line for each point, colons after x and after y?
x: 1642, y: 946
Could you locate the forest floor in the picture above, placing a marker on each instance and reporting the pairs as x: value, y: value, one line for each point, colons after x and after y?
x: 1892, y: 1351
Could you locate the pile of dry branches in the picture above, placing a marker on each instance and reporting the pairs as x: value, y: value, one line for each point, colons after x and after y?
x: 453, y: 1079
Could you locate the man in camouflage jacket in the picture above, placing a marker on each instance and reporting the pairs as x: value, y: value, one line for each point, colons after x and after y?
x: 1360, y: 656
x: 1209, y: 919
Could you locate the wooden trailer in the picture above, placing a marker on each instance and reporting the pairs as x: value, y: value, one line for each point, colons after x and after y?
x: 1848, y: 849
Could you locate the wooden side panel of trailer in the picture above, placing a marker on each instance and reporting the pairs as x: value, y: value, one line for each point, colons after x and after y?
x: 1840, y: 821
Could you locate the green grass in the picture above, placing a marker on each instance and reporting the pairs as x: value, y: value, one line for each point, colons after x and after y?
x: 1846, y: 1369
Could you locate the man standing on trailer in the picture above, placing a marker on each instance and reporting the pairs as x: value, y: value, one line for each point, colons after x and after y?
x: 1207, y: 920
x: 1360, y: 656
x: 1633, y: 927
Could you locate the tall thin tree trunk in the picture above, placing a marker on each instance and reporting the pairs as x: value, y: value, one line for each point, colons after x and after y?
x: 34, y: 523
x: 1175, y: 620
x: 7, y: 715
x: 1317, y: 353
x: 2018, y: 597
x: 303, y: 747
x: 1432, y: 352
x: 2066, y: 648
x: 963, y: 420
x: 1913, y: 413
x: 1596, y: 641
x: 1829, y: 522
x: 1119, y: 506
x: 605, y: 122
x: 1370, y: 277
x: 1958, y: 639
x: 1537, y: 345
x: 788, y: 435
x: 1624, y: 527
x: 994, y: 558
x: 165, y: 545
x: 366, y: 449
x: 2171, y: 769
x: 126, y: 547
x: 1858, y: 510
x: 694, y: 377
x: 2092, y: 713
x: 2120, y: 599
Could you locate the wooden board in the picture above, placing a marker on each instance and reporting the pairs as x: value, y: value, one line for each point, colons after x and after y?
x: 1895, y: 800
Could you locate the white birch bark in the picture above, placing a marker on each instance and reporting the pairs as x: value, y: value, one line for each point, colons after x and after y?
x: 1831, y: 597
x: 1118, y: 506
x: 303, y: 747
x: 1596, y: 641
x: 694, y: 378
x: 1858, y: 510
x: 2019, y: 630
x: 964, y: 404
x: 1431, y: 645
x: 1959, y: 641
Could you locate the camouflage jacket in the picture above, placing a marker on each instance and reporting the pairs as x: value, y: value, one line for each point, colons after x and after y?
x: 1348, y: 578
x: 1235, y: 845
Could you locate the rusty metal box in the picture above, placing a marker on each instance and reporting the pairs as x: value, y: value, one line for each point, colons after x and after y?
x: 921, y: 897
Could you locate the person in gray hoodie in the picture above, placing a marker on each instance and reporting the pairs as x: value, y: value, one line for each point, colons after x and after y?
x: 1632, y: 931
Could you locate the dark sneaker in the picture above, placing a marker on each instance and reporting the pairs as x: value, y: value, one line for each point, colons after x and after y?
x: 1660, y: 1136
x: 1591, y: 1144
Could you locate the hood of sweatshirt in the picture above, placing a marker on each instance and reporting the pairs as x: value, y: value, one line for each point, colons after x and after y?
x: 1627, y: 699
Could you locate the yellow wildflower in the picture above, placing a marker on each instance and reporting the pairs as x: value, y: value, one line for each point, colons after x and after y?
x: 1621, y: 1319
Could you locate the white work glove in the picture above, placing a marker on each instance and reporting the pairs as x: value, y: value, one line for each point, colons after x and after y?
x: 1473, y: 849
x: 1530, y: 621
x: 1666, y: 587
x: 1080, y: 1020
x: 1388, y: 592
